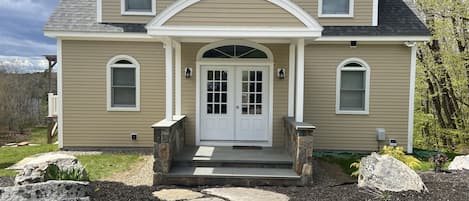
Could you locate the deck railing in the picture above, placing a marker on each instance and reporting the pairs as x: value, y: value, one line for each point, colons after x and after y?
x: 52, y: 100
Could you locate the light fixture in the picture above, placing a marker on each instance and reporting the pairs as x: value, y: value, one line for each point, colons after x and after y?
x: 353, y: 44
x: 281, y: 73
x: 188, y: 72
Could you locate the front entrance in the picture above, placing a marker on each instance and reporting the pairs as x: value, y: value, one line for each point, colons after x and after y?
x: 234, y: 103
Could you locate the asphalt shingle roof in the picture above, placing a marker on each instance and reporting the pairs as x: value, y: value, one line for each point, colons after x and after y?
x: 395, y: 19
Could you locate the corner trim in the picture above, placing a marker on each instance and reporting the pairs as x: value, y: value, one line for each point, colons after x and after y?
x: 60, y: 94
x: 410, y: 131
x: 99, y: 11
x: 375, y: 13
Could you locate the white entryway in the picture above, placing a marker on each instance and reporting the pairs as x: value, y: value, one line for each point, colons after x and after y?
x: 234, y: 103
x: 234, y: 95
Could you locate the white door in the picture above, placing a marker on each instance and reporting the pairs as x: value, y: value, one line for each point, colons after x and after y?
x: 217, y: 108
x: 252, y: 104
x: 234, y: 104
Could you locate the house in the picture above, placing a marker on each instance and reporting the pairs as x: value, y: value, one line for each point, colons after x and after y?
x: 280, y: 74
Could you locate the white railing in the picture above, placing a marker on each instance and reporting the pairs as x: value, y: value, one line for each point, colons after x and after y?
x: 52, y: 100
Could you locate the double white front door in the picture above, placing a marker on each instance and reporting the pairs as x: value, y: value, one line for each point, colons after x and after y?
x: 234, y: 103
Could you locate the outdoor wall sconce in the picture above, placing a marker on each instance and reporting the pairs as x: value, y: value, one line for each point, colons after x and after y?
x: 281, y: 73
x: 353, y: 44
x: 188, y: 72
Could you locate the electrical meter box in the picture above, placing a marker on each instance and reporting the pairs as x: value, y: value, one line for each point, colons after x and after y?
x: 380, y: 134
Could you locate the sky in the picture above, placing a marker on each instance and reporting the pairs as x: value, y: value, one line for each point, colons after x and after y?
x: 22, y: 41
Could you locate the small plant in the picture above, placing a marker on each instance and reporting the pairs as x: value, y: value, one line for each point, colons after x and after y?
x: 398, y: 153
x: 356, y: 166
x: 439, y: 161
x: 53, y: 172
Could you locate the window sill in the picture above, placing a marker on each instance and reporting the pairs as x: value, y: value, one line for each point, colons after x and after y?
x: 335, y: 16
x: 136, y: 13
x: 353, y: 112
x: 123, y: 109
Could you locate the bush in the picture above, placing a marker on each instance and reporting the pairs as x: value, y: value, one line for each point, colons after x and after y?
x: 397, y: 153
x: 53, y: 172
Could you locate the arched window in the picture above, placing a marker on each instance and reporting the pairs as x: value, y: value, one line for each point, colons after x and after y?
x: 123, y: 84
x: 353, y: 87
x: 234, y: 52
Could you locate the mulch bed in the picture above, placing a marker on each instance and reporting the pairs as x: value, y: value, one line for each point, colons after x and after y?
x: 442, y: 186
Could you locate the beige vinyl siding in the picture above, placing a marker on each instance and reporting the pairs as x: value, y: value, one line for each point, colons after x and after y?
x: 280, y: 104
x: 234, y: 13
x: 363, y: 13
x: 87, y: 123
x: 112, y: 12
x: 389, y: 96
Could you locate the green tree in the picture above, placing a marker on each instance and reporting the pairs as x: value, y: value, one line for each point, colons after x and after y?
x: 442, y: 93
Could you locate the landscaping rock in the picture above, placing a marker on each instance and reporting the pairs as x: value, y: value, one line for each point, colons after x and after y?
x: 243, y: 194
x: 23, y: 144
x: 460, y: 163
x: 386, y: 173
x: 176, y: 194
x: 32, y: 169
x: 45, y: 191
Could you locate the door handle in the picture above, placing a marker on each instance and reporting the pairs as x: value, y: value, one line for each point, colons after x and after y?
x: 237, y: 107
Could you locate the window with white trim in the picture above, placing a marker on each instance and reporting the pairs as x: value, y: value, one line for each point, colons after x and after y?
x: 353, y: 80
x: 138, y: 7
x: 335, y: 8
x: 123, y: 81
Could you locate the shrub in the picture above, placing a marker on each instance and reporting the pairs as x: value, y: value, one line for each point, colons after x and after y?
x: 53, y: 172
x: 396, y: 152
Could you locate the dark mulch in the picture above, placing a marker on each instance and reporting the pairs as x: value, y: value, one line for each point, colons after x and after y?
x: 442, y: 186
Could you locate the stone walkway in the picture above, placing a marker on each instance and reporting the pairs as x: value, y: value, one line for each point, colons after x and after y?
x: 220, y: 194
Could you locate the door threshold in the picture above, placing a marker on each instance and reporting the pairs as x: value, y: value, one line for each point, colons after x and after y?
x: 235, y: 143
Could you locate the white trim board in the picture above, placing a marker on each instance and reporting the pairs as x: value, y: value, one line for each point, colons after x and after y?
x: 291, y: 79
x: 60, y: 117
x: 373, y: 38
x: 300, y: 82
x: 99, y: 11
x: 410, y: 131
x: 288, y: 6
x: 375, y: 13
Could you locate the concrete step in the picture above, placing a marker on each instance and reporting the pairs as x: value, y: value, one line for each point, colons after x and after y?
x: 233, y: 163
x: 239, y: 176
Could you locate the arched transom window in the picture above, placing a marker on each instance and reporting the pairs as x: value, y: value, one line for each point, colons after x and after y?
x: 235, y: 52
x: 353, y: 87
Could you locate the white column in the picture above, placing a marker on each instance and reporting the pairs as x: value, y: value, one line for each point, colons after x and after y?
x: 410, y: 131
x: 177, y: 64
x: 169, y: 79
x: 300, y: 70
x: 60, y: 117
x: 291, y: 80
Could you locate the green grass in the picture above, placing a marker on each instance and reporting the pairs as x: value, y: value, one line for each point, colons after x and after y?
x: 9, y: 156
x: 102, y: 166
x: 39, y: 136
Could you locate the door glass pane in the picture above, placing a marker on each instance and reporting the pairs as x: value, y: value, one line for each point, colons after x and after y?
x: 217, y: 108
x: 245, y: 87
x: 245, y: 75
x: 223, y: 97
x: 252, y: 76
x: 209, y: 97
x: 223, y: 108
x: 217, y: 98
x: 245, y: 97
x: 216, y: 86
x: 224, y: 75
x: 210, y: 75
x: 245, y: 109
x: 210, y: 86
x: 259, y: 87
x: 252, y: 98
x: 258, y: 109
x: 251, y: 109
x: 224, y: 86
x: 258, y: 98
x: 209, y: 108
x: 217, y: 75
x: 259, y: 76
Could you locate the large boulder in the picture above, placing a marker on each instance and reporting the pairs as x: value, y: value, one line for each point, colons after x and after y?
x: 385, y: 173
x: 32, y: 169
x: 460, y: 163
x: 46, y: 191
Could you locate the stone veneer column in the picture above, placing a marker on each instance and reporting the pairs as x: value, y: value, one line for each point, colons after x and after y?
x: 299, y: 143
x: 168, y: 141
